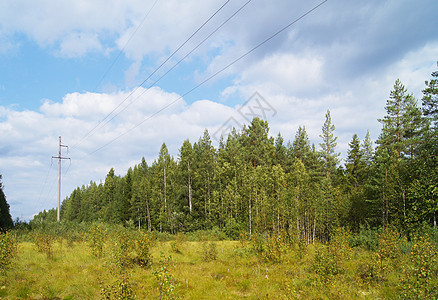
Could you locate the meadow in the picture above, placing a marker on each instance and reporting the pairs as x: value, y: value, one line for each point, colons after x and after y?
x: 120, y: 263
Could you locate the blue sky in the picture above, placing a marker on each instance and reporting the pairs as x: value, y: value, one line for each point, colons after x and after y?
x: 344, y: 56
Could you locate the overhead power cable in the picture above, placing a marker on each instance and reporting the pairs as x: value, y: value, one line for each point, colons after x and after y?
x: 45, y: 180
x: 126, y: 44
x: 212, y: 76
x: 156, y: 70
x: 177, y: 63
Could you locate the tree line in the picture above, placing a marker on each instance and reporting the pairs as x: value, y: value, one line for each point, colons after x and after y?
x: 257, y: 183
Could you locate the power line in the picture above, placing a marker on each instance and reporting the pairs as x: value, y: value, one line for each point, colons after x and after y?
x: 45, y: 180
x: 156, y: 70
x: 124, y: 46
x: 176, y: 64
x: 212, y: 76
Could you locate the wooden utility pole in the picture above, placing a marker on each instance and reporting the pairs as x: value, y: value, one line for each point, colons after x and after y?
x: 59, y: 157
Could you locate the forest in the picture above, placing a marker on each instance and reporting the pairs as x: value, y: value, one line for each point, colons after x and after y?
x: 257, y: 183
x: 257, y: 218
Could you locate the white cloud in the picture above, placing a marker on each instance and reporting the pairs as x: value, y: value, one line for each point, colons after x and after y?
x: 32, y: 139
x: 78, y: 44
x: 344, y: 57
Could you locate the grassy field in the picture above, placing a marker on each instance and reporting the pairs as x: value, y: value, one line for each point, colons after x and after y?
x: 209, y: 270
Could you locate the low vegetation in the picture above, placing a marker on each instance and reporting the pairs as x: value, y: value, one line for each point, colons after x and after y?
x: 133, y: 264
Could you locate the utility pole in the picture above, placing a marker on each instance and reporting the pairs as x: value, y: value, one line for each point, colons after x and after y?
x: 59, y: 157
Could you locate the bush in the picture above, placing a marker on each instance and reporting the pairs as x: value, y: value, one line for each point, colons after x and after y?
x: 366, y: 238
x: 232, y: 229
x: 178, y: 243
x: 8, y: 250
x: 44, y: 243
x: 209, y: 251
x: 164, y: 278
x: 121, y: 248
x: 121, y: 289
x: 421, y: 271
x: 96, y: 237
x: 271, y: 248
x: 339, y: 244
x: 143, y: 243
x: 326, y: 264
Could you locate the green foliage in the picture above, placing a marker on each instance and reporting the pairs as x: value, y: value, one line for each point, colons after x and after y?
x: 178, y: 244
x: 209, y: 251
x: 8, y: 250
x: 253, y: 183
x: 271, y: 248
x: 339, y: 244
x: 120, y: 248
x: 366, y: 238
x: 119, y: 289
x: 419, y: 274
x: 330, y: 260
x: 96, y: 238
x: 164, y: 278
x: 44, y: 243
x: 390, y: 242
x: 5, y: 216
x: 232, y: 229
x: 143, y: 244
x: 326, y: 264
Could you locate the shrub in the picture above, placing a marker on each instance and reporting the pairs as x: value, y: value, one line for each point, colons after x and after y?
x: 209, y: 251
x: 339, y: 244
x: 177, y: 244
x: 96, y: 238
x: 419, y: 273
x: 143, y: 243
x: 44, y: 243
x: 369, y: 271
x: 121, y: 248
x: 389, y: 248
x: 326, y: 264
x: 164, y: 278
x: 121, y: 289
x: 232, y: 229
x: 270, y: 248
x: 366, y: 238
x: 8, y: 249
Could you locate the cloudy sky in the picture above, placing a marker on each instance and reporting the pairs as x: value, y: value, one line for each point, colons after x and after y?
x: 117, y: 78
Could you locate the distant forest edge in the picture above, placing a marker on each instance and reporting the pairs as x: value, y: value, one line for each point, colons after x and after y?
x: 256, y: 183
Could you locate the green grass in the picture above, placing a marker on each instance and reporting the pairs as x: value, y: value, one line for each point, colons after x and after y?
x: 236, y: 273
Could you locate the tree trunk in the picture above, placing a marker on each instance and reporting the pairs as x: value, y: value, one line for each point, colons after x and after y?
x: 250, y: 225
x: 190, y: 188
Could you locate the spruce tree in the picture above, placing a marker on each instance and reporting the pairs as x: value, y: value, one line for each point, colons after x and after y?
x: 402, y: 123
x: 328, y: 145
x: 5, y: 216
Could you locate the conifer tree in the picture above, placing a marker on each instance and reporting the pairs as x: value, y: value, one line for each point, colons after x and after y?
x: 5, y: 216
x: 402, y: 122
x: 328, y: 145
x: 330, y: 160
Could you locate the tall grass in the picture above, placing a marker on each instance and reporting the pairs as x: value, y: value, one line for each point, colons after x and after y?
x: 257, y: 267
